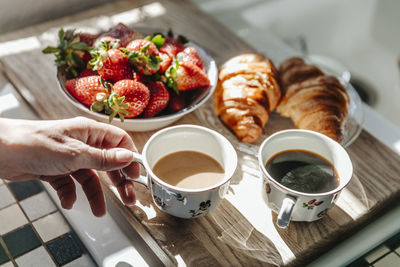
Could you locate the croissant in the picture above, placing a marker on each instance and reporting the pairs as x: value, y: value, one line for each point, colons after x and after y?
x: 311, y: 99
x: 246, y: 92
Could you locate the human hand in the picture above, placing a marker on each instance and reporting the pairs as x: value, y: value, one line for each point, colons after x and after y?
x: 60, y: 151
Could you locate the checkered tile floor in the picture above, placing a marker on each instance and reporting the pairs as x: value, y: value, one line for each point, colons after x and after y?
x: 33, y: 232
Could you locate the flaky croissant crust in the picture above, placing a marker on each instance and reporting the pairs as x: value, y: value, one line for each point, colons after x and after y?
x: 246, y: 93
x: 313, y: 100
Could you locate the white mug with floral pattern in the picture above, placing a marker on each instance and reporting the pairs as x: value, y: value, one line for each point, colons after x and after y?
x: 181, y: 202
x: 294, y: 205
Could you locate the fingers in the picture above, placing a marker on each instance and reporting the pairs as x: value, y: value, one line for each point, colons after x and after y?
x: 97, y: 134
x: 106, y: 160
x: 132, y: 170
x: 125, y: 187
x: 90, y: 183
x: 65, y: 187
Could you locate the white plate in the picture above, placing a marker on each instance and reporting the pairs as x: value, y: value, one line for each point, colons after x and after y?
x: 148, y: 124
x: 352, y: 127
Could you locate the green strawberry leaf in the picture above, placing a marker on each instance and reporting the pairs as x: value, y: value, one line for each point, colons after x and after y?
x: 154, y: 62
x: 63, y: 45
x: 171, y: 74
x: 142, y: 59
x: 50, y: 50
x: 170, y: 33
x: 97, y: 106
x: 97, y: 58
x: 115, y: 44
x: 117, y: 106
x: 61, y: 34
x: 145, y: 47
x: 79, y: 46
x: 182, y: 39
x: 158, y: 40
x: 64, y: 52
x: 106, y: 85
x: 171, y: 83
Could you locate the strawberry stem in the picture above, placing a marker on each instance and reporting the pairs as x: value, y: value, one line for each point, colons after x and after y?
x: 117, y: 106
x: 171, y: 74
x: 142, y: 59
x: 65, y: 52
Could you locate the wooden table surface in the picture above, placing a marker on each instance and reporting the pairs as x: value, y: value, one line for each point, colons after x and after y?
x: 242, y: 230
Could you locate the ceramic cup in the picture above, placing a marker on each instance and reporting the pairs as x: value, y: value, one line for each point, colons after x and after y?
x: 180, y: 202
x: 294, y: 205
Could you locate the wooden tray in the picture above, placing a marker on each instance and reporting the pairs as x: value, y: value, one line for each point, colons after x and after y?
x: 242, y: 230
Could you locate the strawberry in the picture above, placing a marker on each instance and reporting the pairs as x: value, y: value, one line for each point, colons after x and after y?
x: 172, y: 46
x: 144, y: 55
x: 189, y: 76
x: 139, y: 44
x: 111, y: 42
x: 88, y: 38
x: 87, y: 72
x: 113, y: 67
x: 165, y: 63
x: 136, y: 94
x: 176, y: 102
x: 123, y: 33
x: 86, y: 90
x: 190, y: 54
x: 159, y: 97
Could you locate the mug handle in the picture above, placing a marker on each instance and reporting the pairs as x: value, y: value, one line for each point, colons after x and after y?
x: 285, y: 212
x: 144, y: 180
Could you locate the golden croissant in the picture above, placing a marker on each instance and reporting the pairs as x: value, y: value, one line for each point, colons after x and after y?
x: 311, y: 99
x: 246, y: 93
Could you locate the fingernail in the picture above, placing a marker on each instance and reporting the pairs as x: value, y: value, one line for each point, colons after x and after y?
x: 123, y: 155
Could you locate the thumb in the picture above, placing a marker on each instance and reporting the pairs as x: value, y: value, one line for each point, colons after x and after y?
x: 108, y: 159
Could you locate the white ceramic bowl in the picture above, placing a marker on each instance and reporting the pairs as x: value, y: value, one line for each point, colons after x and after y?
x: 157, y: 122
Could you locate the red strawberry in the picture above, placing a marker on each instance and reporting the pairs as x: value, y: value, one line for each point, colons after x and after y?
x: 86, y: 57
x: 145, y: 56
x: 311, y: 201
x: 176, y: 102
x: 159, y: 97
x: 87, y: 72
x: 172, y: 46
x: 190, y: 77
x: 136, y: 94
x: 137, y: 45
x: 165, y: 63
x: 116, y: 67
x: 112, y: 42
x: 88, y: 38
x: 123, y: 33
x: 85, y: 89
x: 190, y: 55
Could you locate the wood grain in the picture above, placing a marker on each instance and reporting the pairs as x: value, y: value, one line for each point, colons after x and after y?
x: 241, y: 232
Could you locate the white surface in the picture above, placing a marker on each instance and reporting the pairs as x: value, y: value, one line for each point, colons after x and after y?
x: 361, y: 34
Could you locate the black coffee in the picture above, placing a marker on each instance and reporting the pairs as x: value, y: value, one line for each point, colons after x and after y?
x: 303, y: 171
